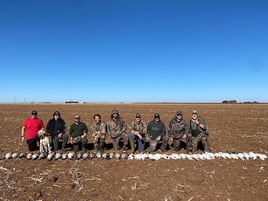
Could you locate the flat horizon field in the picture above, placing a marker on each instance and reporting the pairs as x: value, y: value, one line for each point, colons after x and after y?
x: 233, y: 128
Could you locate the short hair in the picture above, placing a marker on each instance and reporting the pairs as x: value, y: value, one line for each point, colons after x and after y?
x: 96, y: 115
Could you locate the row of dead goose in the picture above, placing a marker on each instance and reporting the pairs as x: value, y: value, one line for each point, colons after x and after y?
x: 63, y: 156
x: 200, y: 156
x: 142, y: 156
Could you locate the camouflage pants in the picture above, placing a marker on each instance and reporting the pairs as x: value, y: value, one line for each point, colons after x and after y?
x: 99, y: 142
x: 154, y: 143
x: 117, y: 140
x: 177, y: 143
x: 195, y: 140
x: 81, y: 142
x: 177, y: 140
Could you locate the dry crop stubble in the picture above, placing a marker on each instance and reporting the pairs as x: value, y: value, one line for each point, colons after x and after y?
x: 233, y: 128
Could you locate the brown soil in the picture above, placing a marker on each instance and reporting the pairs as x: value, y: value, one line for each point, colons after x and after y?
x: 233, y: 127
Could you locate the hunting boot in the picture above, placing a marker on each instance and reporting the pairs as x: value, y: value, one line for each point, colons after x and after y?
x: 125, y: 147
x: 84, y: 144
x: 176, y: 144
x: 163, y: 147
x: 206, y: 147
x: 115, y: 145
x: 132, y: 145
x: 189, y: 146
x: 96, y: 147
x: 153, y: 145
x: 101, y: 147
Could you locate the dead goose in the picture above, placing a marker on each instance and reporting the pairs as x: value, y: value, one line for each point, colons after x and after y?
x: 91, y: 155
x: 15, y: 155
x: 64, y: 156
x: 50, y: 155
x: 117, y: 155
x: 41, y: 156
x: 111, y: 155
x: 70, y: 155
x: 98, y: 154
x: 124, y: 155
x: 22, y: 155
x: 104, y: 155
x: 58, y: 156
x: 29, y: 156
x: 85, y: 155
x: 34, y: 156
x: 8, y: 155
x: 78, y: 155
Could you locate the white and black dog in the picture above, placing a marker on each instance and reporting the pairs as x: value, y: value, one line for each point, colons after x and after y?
x: 45, y: 146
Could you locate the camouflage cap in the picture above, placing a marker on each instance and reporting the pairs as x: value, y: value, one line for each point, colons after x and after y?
x: 115, y: 111
x: 194, y: 112
x: 138, y: 115
x: 179, y: 113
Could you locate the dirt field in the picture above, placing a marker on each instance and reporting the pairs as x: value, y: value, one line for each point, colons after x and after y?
x: 233, y: 128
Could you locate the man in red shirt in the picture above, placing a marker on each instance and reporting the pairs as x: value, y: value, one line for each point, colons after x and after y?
x: 29, y: 130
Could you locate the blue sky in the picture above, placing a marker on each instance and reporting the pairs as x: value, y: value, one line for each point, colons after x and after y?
x: 133, y: 50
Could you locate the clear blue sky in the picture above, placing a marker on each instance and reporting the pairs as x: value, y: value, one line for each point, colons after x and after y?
x: 133, y: 50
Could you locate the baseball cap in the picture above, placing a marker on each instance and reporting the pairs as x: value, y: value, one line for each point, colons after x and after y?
x: 179, y: 113
x: 194, y: 112
x: 56, y: 113
x: 156, y: 115
x: 34, y: 112
x: 138, y: 115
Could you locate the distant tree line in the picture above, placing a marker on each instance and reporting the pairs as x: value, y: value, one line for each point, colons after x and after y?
x: 71, y: 102
x: 234, y: 102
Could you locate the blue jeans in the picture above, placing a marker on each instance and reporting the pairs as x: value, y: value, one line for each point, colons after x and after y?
x: 140, y: 142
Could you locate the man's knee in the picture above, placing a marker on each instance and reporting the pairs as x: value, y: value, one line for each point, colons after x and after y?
x: 64, y: 137
x: 84, y: 140
x: 153, y: 145
x: 132, y: 137
x: 176, y: 144
x: 165, y: 138
x: 195, y: 141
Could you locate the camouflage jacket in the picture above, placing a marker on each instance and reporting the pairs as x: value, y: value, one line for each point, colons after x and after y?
x: 115, y: 127
x: 195, y: 129
x: 140, y: 126
x: 176, y: 128
x: 98, y: 129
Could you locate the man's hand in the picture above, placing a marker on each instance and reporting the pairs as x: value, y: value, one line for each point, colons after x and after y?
x: 82, y: 136
x: 158, y: 138
x: 137, y: 133
x: 140, y: 137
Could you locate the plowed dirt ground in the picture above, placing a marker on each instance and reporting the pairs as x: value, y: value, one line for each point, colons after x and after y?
x: 233, y: 128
